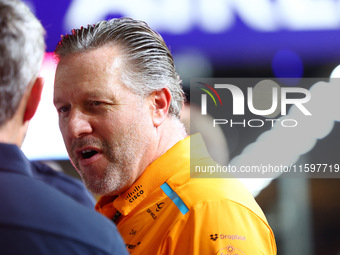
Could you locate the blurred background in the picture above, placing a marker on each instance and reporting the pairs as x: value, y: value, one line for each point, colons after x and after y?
x: 227, y: 38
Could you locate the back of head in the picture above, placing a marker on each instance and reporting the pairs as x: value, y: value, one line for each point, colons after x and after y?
x: 22, y: 48
x: 147, y: 61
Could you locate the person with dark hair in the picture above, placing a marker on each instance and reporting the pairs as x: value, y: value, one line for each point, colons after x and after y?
x: 36, y: 218
x: 119, y: 101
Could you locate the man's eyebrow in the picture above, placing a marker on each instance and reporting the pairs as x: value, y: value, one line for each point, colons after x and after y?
x: 56, y: 101
x: 92, y: 94
x: 89, y: 94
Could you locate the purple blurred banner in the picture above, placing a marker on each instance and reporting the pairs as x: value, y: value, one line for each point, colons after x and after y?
x: 224, y: 31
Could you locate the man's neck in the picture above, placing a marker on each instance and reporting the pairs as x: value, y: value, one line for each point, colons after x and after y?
x: 170, y: 133
x: 12, y: 133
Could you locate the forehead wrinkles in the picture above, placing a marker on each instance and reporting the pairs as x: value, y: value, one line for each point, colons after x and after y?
x: 101, y: 59
x: 103, y: 63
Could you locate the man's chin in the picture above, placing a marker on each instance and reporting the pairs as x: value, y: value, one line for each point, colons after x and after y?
x: 95, y: 189
x: 99, y: 187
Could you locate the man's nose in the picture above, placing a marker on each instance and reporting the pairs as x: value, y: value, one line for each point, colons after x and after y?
x: 78, y: 124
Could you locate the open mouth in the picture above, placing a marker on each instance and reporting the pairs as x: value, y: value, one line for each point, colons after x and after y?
x: 86, y: 154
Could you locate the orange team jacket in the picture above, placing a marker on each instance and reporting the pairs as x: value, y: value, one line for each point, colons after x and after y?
x: 167, y: 212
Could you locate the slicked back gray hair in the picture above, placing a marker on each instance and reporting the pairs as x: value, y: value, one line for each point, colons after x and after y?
x: 148, y: 63
x: 22, y: 49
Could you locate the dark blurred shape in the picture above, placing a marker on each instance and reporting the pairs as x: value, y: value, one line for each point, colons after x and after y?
x: 324, y: 209
x: 70, y: 186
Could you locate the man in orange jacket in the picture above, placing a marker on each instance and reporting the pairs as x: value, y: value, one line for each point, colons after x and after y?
x: 119, y: 100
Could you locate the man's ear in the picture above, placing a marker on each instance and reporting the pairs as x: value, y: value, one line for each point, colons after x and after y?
x: 160, y: 105
x: 33, y: 99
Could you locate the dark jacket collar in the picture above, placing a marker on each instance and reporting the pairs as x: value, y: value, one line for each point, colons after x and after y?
x: 13, y: 160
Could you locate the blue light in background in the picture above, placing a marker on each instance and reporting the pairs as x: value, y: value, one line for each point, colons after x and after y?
x: 287, y: 64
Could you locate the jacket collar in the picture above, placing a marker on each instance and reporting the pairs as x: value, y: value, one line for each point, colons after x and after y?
x: 169, y: 164
x: 13, y: 160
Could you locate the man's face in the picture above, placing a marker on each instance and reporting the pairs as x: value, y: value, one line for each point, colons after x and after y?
x: 107, y: 129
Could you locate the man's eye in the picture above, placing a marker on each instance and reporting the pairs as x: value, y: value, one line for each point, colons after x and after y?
x: 96, y: 103
x: 63, y: 109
